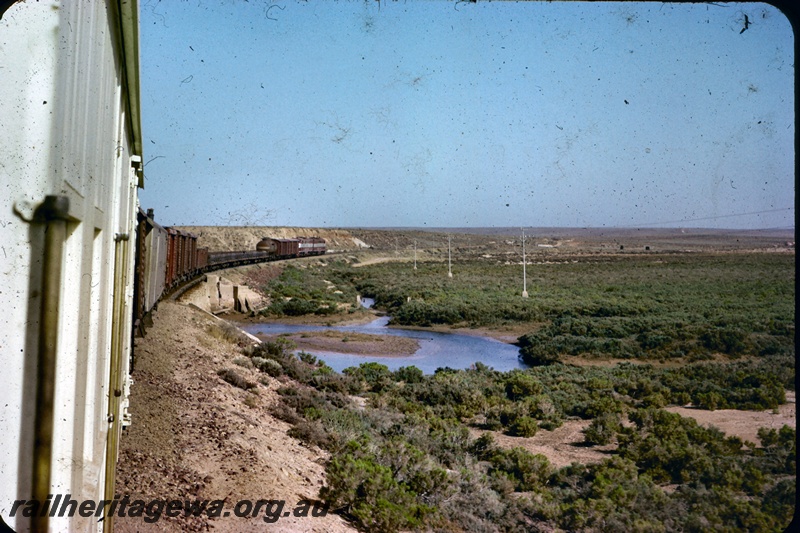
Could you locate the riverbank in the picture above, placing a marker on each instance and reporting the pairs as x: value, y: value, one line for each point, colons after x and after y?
x: 507, y: 333
x: 426, y: 349
x: 365, y: 344
x: 350, y: 343
x: 362, y: 316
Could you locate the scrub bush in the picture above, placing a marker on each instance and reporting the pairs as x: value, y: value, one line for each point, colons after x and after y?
x: 236, y: 379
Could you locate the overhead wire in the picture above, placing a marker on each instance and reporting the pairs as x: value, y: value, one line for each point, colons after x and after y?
x: 714, y: 217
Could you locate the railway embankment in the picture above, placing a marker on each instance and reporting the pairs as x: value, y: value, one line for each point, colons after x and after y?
x: 197, y: 437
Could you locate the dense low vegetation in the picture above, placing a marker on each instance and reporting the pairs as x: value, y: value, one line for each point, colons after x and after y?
x: 305, y: 291
x: 407, y: 458
x: 651, y: 307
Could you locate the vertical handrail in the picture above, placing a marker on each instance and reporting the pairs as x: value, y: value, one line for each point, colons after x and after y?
x: 116, y: 370
x: 53, y: 213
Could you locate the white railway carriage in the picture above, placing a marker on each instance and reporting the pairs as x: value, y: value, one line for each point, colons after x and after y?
x: 70, y: 166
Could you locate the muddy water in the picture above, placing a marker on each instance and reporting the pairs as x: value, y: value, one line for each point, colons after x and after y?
x: 436, y: 350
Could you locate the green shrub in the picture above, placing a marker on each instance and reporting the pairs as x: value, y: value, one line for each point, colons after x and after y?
x: 311, y: 432
x: 243, y: 362
x: 279, y: 348
x: 524, y: 426
x: 528, y: 471
x: 409, y: 374
x: 521, y: 384
x: 603, y: 429
x: 375, y: 376
x: 371, y: 494
x: 268, y: 366
x: 732, y: 341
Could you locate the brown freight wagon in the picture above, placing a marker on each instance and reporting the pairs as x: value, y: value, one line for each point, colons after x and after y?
x: 191, y: 254
x: 287, y: 247
x: 172, y: 257
x: 181, y: 256
x: 202, y: 258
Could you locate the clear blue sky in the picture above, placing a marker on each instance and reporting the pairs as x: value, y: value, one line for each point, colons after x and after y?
x: 437, y: 114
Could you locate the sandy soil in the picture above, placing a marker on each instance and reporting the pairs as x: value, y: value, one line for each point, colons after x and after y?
x: 372, y: 259
x: 355, y: 343
x: 744, y: 424
x: 196, y: 436
x: 562, y: 446
x: 508, y: 334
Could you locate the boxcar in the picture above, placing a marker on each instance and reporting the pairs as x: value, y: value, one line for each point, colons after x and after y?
x: 173, y: 257
x: 202, y: 258
x: 287, y: 247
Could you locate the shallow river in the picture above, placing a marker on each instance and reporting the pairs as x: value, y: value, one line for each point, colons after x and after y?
x: 436, y: 350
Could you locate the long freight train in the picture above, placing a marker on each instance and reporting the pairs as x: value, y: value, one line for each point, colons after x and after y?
x: 168, y: 257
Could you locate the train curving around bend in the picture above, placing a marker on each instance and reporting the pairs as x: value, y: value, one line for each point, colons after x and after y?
x: 80, y: 263
x: 167, y: 258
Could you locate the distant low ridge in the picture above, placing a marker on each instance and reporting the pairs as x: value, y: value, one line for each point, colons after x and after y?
x: 494, y: 239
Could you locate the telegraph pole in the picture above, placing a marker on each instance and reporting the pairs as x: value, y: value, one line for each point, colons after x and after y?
x: 524, y: 270
x: 449, y: 263
x: 415, y: 255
